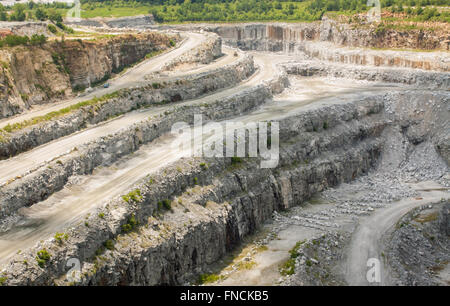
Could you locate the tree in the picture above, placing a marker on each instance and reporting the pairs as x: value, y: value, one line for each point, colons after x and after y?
x: 41, y: 14
x: 18, y: 13
x: 55, y: 16
x: 3, y: 16
x: 37, y: 39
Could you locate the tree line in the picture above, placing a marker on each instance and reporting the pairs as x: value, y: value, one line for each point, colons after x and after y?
x: 233, y: 10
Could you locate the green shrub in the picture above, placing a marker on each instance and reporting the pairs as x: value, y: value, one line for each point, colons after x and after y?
x: 109, y: 244
x: 59, y: 237
x: 130, y: 225
x: 167, y: 205
x: 37, y: 39
x: 42, y: 257
x: 164, y: 204
x: 236, y: 160
x: 52, y: 28
x: 133, y: 196
x: 16, y: 40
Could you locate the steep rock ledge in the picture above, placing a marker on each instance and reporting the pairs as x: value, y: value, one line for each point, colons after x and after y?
x: 205, y: 53
x: 276, y: 36
x: 421, y: 78
x: 44, y: 181
x: 327, y: 41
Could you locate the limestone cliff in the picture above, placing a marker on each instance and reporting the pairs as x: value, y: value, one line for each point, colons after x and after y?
x: 31, y: 75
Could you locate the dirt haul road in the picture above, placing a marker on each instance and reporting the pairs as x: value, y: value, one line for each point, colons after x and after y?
x: 366, y: 241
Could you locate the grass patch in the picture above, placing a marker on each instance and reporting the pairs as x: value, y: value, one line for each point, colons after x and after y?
x: 236, y: 160
x: 245, y: 265
x: 9, y: 128
x: 209, y: 278
x: 426, y: 218
x: 288, y: 268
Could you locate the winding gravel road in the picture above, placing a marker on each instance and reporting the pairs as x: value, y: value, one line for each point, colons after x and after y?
x: 367, y: 239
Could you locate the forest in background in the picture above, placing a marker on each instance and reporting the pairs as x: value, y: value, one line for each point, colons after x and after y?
x: 176, y: 11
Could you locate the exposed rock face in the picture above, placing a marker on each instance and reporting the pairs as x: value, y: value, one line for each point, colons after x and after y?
x: 427, y: 79
x: 26, y: 28
x: 90, y: 62
x: 276, y: 36
x: 267, y: 37
x: 34, y: 75
x: 31, y: 76
x: 417, y: 250
x: 378, y: 37
x: 39, y: 185
x: 224, y: 202
x: 142, y: 21
x: 323, y: 40
x: 93, y: 22
x: 206, y: 52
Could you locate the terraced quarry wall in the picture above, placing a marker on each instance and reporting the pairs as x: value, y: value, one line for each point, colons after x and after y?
x: 215, y: 203
x: 426, y: 79
x: 333, y: 42
x: 220, y: 204
x: 123, y: 101
x: 40, y: 74
x: 276, y: 36
x: 133, y: 210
